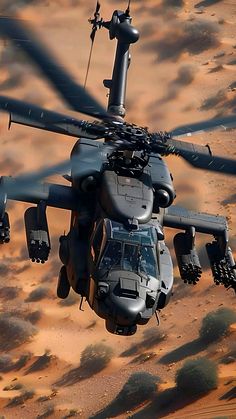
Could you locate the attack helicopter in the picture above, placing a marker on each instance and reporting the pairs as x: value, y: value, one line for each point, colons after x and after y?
x: 120, y: 191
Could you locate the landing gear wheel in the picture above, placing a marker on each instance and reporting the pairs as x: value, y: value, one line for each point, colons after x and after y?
x: 63, y: 285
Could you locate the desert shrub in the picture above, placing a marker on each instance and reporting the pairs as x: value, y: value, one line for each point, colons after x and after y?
x: 34, y: 316
x: 21, y: 362
x: 21, y: 399
x: 48, y: 412
x: 93, y: 359
x: 14, y: 332
x: 5, y: 362
x: 37, y: 294
x: 72, y: 413
x: 9, y: 293
x: 96, y: 357
x: 41, y: 363
x: 139, y: 387
x: 197, y: 376
x: 13, y: 386
x: 146, y: 356
x: 216, y: 324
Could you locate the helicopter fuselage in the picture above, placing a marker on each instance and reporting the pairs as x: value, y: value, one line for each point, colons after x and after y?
x: 115, y: 254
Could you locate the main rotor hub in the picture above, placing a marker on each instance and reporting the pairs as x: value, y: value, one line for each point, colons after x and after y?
x: 129, y: 136
x: 130, y: 156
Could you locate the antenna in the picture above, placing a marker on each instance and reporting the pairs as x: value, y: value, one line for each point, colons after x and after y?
x: 96, y: 24
x: 127, y: 12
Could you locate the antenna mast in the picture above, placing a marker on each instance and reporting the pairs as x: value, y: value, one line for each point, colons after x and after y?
x: 127, y: 12
x: 120, y: 28
x: 96, y: 22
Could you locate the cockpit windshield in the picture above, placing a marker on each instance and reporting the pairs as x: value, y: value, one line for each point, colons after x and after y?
x: 112, y: 255
x: 130, y: 257
x: 147, y: 261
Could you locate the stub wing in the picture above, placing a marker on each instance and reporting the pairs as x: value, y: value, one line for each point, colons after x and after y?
x: 181, y: 218
x: 53, y: 195
x: 219, y: 253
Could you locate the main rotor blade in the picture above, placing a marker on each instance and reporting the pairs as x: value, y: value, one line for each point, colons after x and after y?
x: 74, y: 94
x: 24, y: 182
x: 34, y: 116
x: 201, y: 157
x: 224, y: 123
x: 80, y: 167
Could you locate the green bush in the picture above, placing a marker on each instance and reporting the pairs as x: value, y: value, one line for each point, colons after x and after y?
x: 96, y: 357
x: 216, y: 324
x: 197, y: 376
x: 139, y: 387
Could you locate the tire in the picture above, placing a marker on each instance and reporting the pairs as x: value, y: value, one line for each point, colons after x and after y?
x: 63, y: 285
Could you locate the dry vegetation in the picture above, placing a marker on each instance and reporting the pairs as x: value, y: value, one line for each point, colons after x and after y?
x: 216, y: 325
x: 21, y: 399
x: 41, y: 363
x: 14, y: 332
x: 9, y: 293
x: 139, y: 388
x: 8, y: 364
x: 38, y: 294
x: 94, y: 358
x: 34, y: 316
x: 197, y: 376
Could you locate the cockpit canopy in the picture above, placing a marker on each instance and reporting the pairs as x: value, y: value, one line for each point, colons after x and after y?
x: 129, y: 250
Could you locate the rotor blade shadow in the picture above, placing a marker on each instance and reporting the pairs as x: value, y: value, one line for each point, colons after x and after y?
x: 74, y: 95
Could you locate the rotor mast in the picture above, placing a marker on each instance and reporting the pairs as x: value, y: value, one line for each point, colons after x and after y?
x: 120, y: 28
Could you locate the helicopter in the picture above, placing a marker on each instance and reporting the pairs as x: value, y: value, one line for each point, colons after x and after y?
x: 121, y: 192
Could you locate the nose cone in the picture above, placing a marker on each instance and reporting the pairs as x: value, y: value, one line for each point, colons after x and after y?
x: 126, y: 309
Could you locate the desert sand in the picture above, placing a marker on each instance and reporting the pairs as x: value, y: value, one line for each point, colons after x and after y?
x: 177, y: 75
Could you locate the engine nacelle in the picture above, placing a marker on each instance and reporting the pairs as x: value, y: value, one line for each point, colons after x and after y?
x: 163, y: 188
x: 37, y: 234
